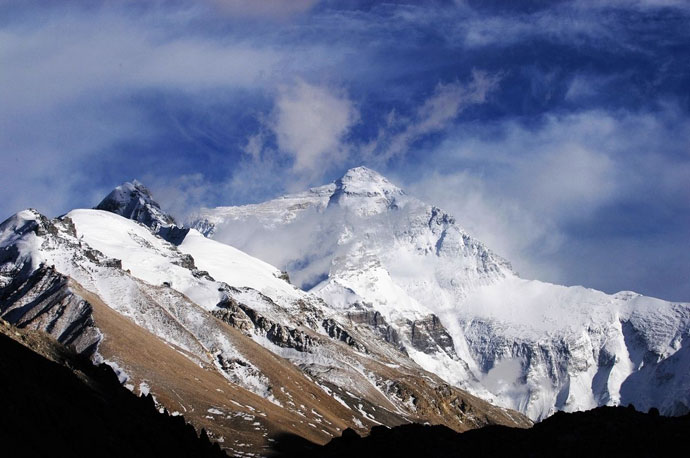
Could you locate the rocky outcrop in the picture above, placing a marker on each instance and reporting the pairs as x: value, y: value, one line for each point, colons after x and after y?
x: 207, y: 228
x: 133, y: 201
x: 173, y: 234
x: 249, y: 320
x: 337, y: 332
x: 43, y: 300
x: 378, y: 324
x: 429, y: 336
x: 245, y: 318
x: 187, y: 261
x: 284, y: 276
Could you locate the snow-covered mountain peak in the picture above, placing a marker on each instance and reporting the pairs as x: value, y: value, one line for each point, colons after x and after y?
x: 365, y: 190
x: 134, y: 201
x: 13, y: 226
x: 459, y: 310
x: 363, y: 180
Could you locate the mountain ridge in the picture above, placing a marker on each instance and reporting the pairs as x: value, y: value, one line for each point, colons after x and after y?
x: 525, y: 344
x: 227, y: 339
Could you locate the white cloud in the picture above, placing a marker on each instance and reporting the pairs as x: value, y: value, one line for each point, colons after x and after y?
x: 181, y: 196
x: 307, y: 129
x: 573, y: 22
x: 449, y: 99
x: 522, y: 190
x: 503, y: 223
x: 303, y: 247
x: 74, y: 57
x: 70, y: 80
x: 637, y: 4
x: 46, y: 158
x: 569, y: 180
x: 434, y: 115
x: 555, y: 23
x: 276, y: 9
x: 310, y: 123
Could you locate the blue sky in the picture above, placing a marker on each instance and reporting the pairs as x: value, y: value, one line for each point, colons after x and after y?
x: 557, y: 132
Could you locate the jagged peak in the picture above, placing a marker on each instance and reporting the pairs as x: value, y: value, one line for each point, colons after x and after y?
x: 18, y: 224
x: 137, y: 187
x: 364, y: 191
x: 365, y: 181
x: 362, y: 171
x: 134, y: 201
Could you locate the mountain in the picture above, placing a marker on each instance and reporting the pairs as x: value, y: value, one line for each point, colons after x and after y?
x: 458, y: 309
x: 133, y: 200
x: 213, y: 333
x: 56, y: 403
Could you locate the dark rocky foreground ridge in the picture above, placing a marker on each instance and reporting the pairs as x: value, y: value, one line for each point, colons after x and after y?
x: 601, y: 432
x: 56, y: 403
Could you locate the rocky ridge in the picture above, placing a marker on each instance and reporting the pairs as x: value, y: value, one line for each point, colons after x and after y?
x: 214, y: 334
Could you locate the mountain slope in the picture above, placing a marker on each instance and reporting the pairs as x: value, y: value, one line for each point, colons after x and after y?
x: 235, y: 348
x: 366, y: 247
x: 57, y: 403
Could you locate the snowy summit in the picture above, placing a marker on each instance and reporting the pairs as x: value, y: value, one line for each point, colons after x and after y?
x: 133, y: 200
x: 458, y: 309
x: 364, y: 190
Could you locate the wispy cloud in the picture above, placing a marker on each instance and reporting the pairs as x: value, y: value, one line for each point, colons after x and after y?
x: 310, y: 124
x: 72, y: 83
x: 435, y: 114
x: 299, y: 140
x: 274, y: 9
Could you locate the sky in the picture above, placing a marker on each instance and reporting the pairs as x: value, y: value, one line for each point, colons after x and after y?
x: 557, y: 132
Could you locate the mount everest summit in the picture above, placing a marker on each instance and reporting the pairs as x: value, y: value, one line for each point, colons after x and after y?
x: 458, y: 309
x: 380, y: 310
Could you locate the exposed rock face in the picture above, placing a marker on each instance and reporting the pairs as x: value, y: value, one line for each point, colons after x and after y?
x: 336, y: 331
x: 44, y: 301
x: 246, y: 319
x: 284, y: 276
x: 173, y: 234
x: 133, y: 201
x: 40, y: 298
x: 205, y: 227
x: 429, y: 336
x: 378, y: 324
